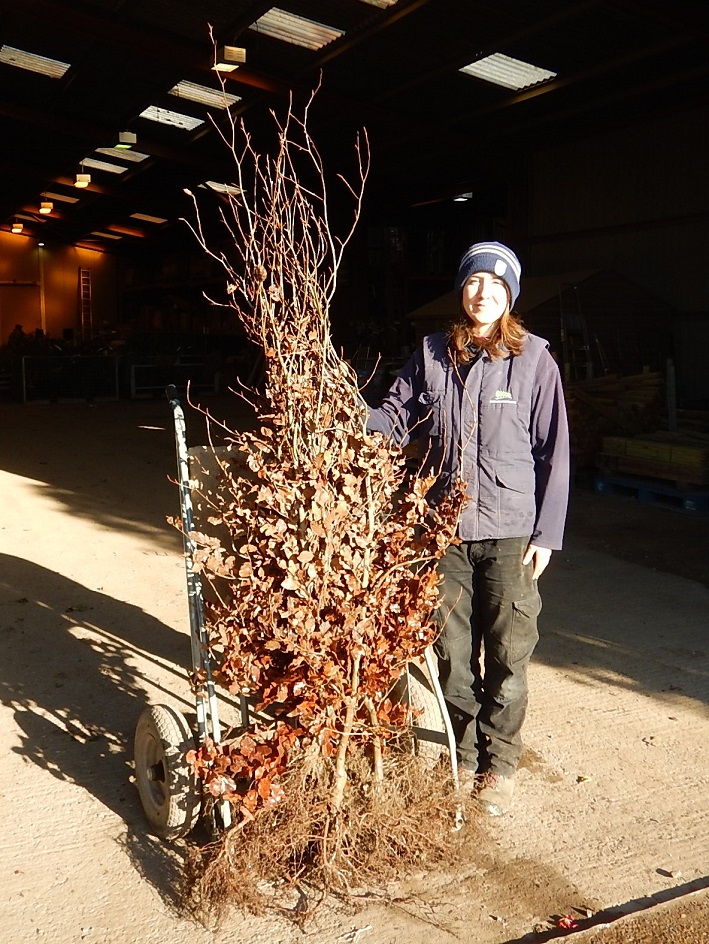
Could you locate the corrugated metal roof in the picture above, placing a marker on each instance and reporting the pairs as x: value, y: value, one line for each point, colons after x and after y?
x: 393, y: 68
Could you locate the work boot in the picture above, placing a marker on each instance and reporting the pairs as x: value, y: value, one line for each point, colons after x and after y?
x: 495, y: 794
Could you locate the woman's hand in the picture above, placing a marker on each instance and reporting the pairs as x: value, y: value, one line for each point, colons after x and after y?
x: 539, y: 556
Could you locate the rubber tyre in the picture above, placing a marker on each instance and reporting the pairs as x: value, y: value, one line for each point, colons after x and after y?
x: 169, y: 790
x: 428, y: 724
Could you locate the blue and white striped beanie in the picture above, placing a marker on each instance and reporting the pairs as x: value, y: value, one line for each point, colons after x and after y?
x: 490, y: 257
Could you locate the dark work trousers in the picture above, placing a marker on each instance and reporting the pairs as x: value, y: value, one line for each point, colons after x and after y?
x: 488, y: 613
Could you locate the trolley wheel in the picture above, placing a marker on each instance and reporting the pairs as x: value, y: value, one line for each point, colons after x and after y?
x: 428, y: 728
x: 168, y: 788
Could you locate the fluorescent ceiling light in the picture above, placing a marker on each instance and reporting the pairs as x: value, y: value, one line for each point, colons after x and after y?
x: 295, y: 29
x: 229, y: 58
x: 103, y: 165
x: 463, y: 197
x: 33, y: 63
x: 382, y: 4
x: 508, y: 72
x: 61, y: 197
x: 98, y: 232
x: 147, y: 218
x: 166, y: 117
x: 214, y: 98
x: 126, y: 140
x: 122, y: 155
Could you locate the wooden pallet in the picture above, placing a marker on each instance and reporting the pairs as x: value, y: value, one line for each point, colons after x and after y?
x: 654, y: 492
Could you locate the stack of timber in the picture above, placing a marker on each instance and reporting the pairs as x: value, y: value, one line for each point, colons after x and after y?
x: 680, y: 457
x: 612, y: 406
x: 664, y: 468
x: 696, y: 421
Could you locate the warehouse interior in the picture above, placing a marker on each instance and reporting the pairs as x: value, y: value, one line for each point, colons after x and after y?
x: 577, y: 136
x: 577, y: 133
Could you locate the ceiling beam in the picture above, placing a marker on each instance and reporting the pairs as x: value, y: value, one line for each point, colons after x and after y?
x: 136, y: 42
x: 504, y: 41
x: 661, y: 82
x: 694, y: 27
x: 96, y: 135
x: 384, y: 21
x: 600, y: 69
x: 441, y: 144
x: 109, y: 31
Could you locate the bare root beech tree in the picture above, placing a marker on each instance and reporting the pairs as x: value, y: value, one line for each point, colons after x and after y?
x: 325, y: 587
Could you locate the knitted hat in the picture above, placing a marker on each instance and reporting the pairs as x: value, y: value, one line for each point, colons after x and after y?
x: 491, y: 257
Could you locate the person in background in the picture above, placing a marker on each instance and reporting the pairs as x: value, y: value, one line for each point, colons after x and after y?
x: 486, y: 403
x: 17, y: 338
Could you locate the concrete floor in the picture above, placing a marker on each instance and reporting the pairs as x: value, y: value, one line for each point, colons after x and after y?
x: 613, y: 791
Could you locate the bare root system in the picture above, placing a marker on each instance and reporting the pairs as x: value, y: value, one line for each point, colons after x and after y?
x: 290, y: 859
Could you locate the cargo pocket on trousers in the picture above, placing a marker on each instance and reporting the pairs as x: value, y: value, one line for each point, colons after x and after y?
x: 525, y: 633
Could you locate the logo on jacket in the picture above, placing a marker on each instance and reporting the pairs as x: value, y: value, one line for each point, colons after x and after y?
x: 502, y: 396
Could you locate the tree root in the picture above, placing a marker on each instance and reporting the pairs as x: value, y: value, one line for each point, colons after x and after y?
x: 305, y: 849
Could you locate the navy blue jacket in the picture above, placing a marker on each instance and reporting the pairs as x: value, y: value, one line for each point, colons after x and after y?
x: 500, y: 425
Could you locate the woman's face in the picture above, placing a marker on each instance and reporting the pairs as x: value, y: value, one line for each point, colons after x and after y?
x: 485, y: 300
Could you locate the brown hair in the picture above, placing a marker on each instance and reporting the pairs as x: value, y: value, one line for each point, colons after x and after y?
x: 507, y: 337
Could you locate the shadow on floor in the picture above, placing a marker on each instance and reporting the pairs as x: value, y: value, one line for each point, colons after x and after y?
x: 69, y: 674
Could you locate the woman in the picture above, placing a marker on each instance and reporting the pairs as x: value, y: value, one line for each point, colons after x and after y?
x: 486, y: 403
